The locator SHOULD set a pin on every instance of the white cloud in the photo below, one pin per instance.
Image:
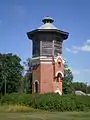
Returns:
(85, 47)
(87, 70)
(72, 51)
(83, 71)
(76, 72)
(88, 41)
(68, 49)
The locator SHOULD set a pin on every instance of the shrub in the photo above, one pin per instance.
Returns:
(50, 101)
(17, 98)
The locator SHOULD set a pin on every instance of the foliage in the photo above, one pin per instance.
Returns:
(25, 84)
(67, 80)
(28, 76)
(50, 101)
(54, 102)
(88, 89)
(17, 99)
(81, 86)
(10, 73)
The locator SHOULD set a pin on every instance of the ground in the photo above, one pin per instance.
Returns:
(43, 115)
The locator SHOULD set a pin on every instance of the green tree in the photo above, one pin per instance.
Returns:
(26, 83)
(88, 89)
(28, 76)
(81, 86)
(10, 73)
(67, 80)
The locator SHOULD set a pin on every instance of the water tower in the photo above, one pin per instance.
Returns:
(47, 61)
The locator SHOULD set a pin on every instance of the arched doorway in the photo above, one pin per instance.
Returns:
(59, 77)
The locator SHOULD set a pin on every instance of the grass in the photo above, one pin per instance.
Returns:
(45, 116)
(26, 113)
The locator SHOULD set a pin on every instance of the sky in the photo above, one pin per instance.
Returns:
(17, 17)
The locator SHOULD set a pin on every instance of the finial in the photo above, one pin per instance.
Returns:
(47, 19)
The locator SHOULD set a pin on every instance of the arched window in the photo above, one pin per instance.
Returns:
(36, 86)
(59, 63)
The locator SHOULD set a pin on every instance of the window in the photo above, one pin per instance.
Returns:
(36, 87)
(59, 63)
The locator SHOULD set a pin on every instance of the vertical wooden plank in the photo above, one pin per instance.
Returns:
(41, 48)
(47, 48)
(53, 47)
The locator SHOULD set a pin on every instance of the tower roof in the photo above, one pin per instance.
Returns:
(47, 27)
(47, 23)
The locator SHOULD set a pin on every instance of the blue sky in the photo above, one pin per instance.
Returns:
(19, 16)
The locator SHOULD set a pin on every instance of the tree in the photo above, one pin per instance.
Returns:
(81, 86)
(10, 73)
(67, 80)
(28, 76)
(88, 89)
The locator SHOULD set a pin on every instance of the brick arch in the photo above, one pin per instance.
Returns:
(60, 73)
(59, 58)
(36, 81)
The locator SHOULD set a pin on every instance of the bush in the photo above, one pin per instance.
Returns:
(17, 99)
(50, 101)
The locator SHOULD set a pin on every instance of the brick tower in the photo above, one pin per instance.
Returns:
(47, 62)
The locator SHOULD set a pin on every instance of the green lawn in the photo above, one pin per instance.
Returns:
(42, 115)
